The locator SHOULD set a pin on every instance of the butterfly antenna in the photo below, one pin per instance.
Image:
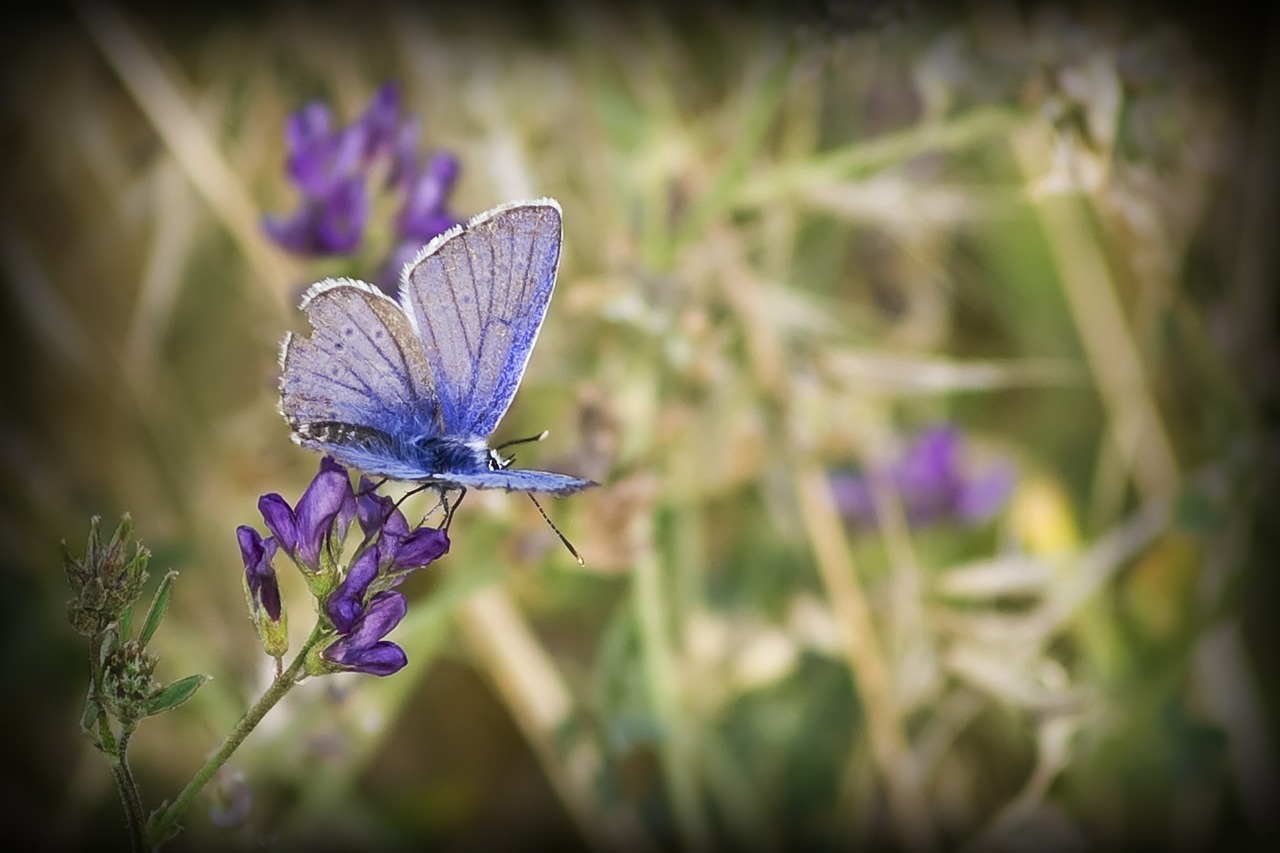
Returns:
(537, 437)
(552, 524)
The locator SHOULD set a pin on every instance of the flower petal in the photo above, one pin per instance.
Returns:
(346, 603)
(381, 659)
(378, 512)
(380, 121)
(324, 511)
(404, 153)
(307, 127)
(422, 546)
(361, 649)
(280, 520)
(423, 213)
(260, 574)
(339, 227)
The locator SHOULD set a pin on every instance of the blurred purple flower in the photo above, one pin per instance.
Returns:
(381, 123)
(423, 214)
(333, 224)
(323, 514)
(931, 481)
(321, 157)
(331, 167)
(404, 152)
(232, 799)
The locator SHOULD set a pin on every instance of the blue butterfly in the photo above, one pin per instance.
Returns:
(412, 390)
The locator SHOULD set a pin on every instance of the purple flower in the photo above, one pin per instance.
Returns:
(359, 600)
(262, 591)
(332, 224)
(390, 553)
(362, 607)
(400, 551)
(377, 512)
(330, 166)
(346, 603)
(412, 552)
(931, 481)
(404, 153)
(259, 574)
(381, 123)
(423, 214)
(320, 157)
(322, 516)
(361, 647)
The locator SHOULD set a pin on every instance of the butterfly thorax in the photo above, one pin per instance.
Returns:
(448, 454)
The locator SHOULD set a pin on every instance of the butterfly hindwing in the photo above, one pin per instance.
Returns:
(477, 296)
(360, 380)
(522, 480)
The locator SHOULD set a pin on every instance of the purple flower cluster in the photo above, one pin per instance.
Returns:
(360, 601)
(332, 165)
(932, 482)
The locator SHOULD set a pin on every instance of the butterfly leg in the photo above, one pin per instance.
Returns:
(374, 487)
(448, 509)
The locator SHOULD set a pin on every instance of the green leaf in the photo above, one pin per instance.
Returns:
(159, 604)
(92, 710)
(122, 533)
(170, 697)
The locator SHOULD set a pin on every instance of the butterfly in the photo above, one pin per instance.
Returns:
(412, 390)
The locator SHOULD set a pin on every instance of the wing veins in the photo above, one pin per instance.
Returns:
(404, 362)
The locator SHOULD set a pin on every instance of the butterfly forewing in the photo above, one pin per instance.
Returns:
(478, 297)
(361, 367)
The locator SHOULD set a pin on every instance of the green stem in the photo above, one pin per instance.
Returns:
(129, 795)
(167, 819)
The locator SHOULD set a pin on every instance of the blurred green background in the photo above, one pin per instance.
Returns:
(793, 240)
